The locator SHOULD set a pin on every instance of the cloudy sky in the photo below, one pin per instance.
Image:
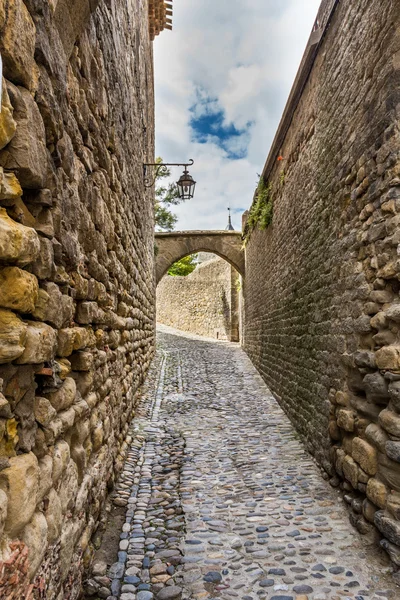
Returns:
(223, 76)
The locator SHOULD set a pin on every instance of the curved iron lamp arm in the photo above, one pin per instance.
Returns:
(161, 167)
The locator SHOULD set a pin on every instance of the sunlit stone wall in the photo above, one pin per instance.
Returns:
(76, 275)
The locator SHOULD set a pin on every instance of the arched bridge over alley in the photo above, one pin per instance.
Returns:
(173, 246)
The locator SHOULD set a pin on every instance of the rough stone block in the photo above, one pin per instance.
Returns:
(64, 397)
(392, 550)
(17, 43)
(345, 419)
(350, 470)
(82, 361)
(60, 307)
(66, 339)
(393, 450)
(7, 124)
(26, 154)
(89, 312)
(388, 527)
(393, 313)
(19, 290)
(40, 344)
(13, 335)
(377, 436)
(377, 492)
(365, 455)
(388, 358)
(18, 244)
(390, 421)
(376, 388)
(45, 477)
(61, 458)
(20, 481)
(53, 514)
(3, 511)
(41, 305)
(43, 266)
(35, 537)
(44, 411)
(10, 189)
(394, 392)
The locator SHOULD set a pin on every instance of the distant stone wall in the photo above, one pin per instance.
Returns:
(204, 302)
(322, 304)
(76, 277)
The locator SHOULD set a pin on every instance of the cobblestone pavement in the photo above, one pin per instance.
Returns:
(222, 500)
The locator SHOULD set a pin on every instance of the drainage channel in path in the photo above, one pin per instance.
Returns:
(222, 500)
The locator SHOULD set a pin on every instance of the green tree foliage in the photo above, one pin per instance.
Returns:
(184, 266)
(166, 195)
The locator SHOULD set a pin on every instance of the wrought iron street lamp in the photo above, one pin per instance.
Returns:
(186, 184)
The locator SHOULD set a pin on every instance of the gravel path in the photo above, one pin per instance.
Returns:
(222, 499)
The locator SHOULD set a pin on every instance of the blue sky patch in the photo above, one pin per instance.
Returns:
(208, 124)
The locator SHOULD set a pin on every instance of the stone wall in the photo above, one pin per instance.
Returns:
(322, 281)
(76, 277)
(204, 302)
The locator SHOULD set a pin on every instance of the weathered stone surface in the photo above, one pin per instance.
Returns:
(17, 43)
(41, 305)
(66, 341)
(18, 244)
(377, 436)
(390, 421)
(393, 450)
(394, 391)
(388, 358)
(350, 470)
(89, 312)
(13, 334)
(45, 477)
(26, 153)
(35, 537)
(376, 388)
(7, 124)
(59, 307)
(10, 188)
(60, 459)
(64, 397)
(365, 455)
(377, 492)
(389, 527)
(3, 511)
(392, 550)
(40, 344)
(19, 289)
(53, 514)
(82, 361)
(20, 482)
(64, 176)
(44, 411)
(393, 313)
(345, 419)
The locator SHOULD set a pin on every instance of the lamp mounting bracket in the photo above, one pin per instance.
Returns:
(161, 168)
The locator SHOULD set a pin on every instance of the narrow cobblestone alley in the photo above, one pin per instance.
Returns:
(222, 500)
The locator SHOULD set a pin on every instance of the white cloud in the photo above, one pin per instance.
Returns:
(244, 57)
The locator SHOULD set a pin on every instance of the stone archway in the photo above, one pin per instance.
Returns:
(173, 246)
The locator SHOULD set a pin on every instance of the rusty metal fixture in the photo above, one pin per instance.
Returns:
(186, 184)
